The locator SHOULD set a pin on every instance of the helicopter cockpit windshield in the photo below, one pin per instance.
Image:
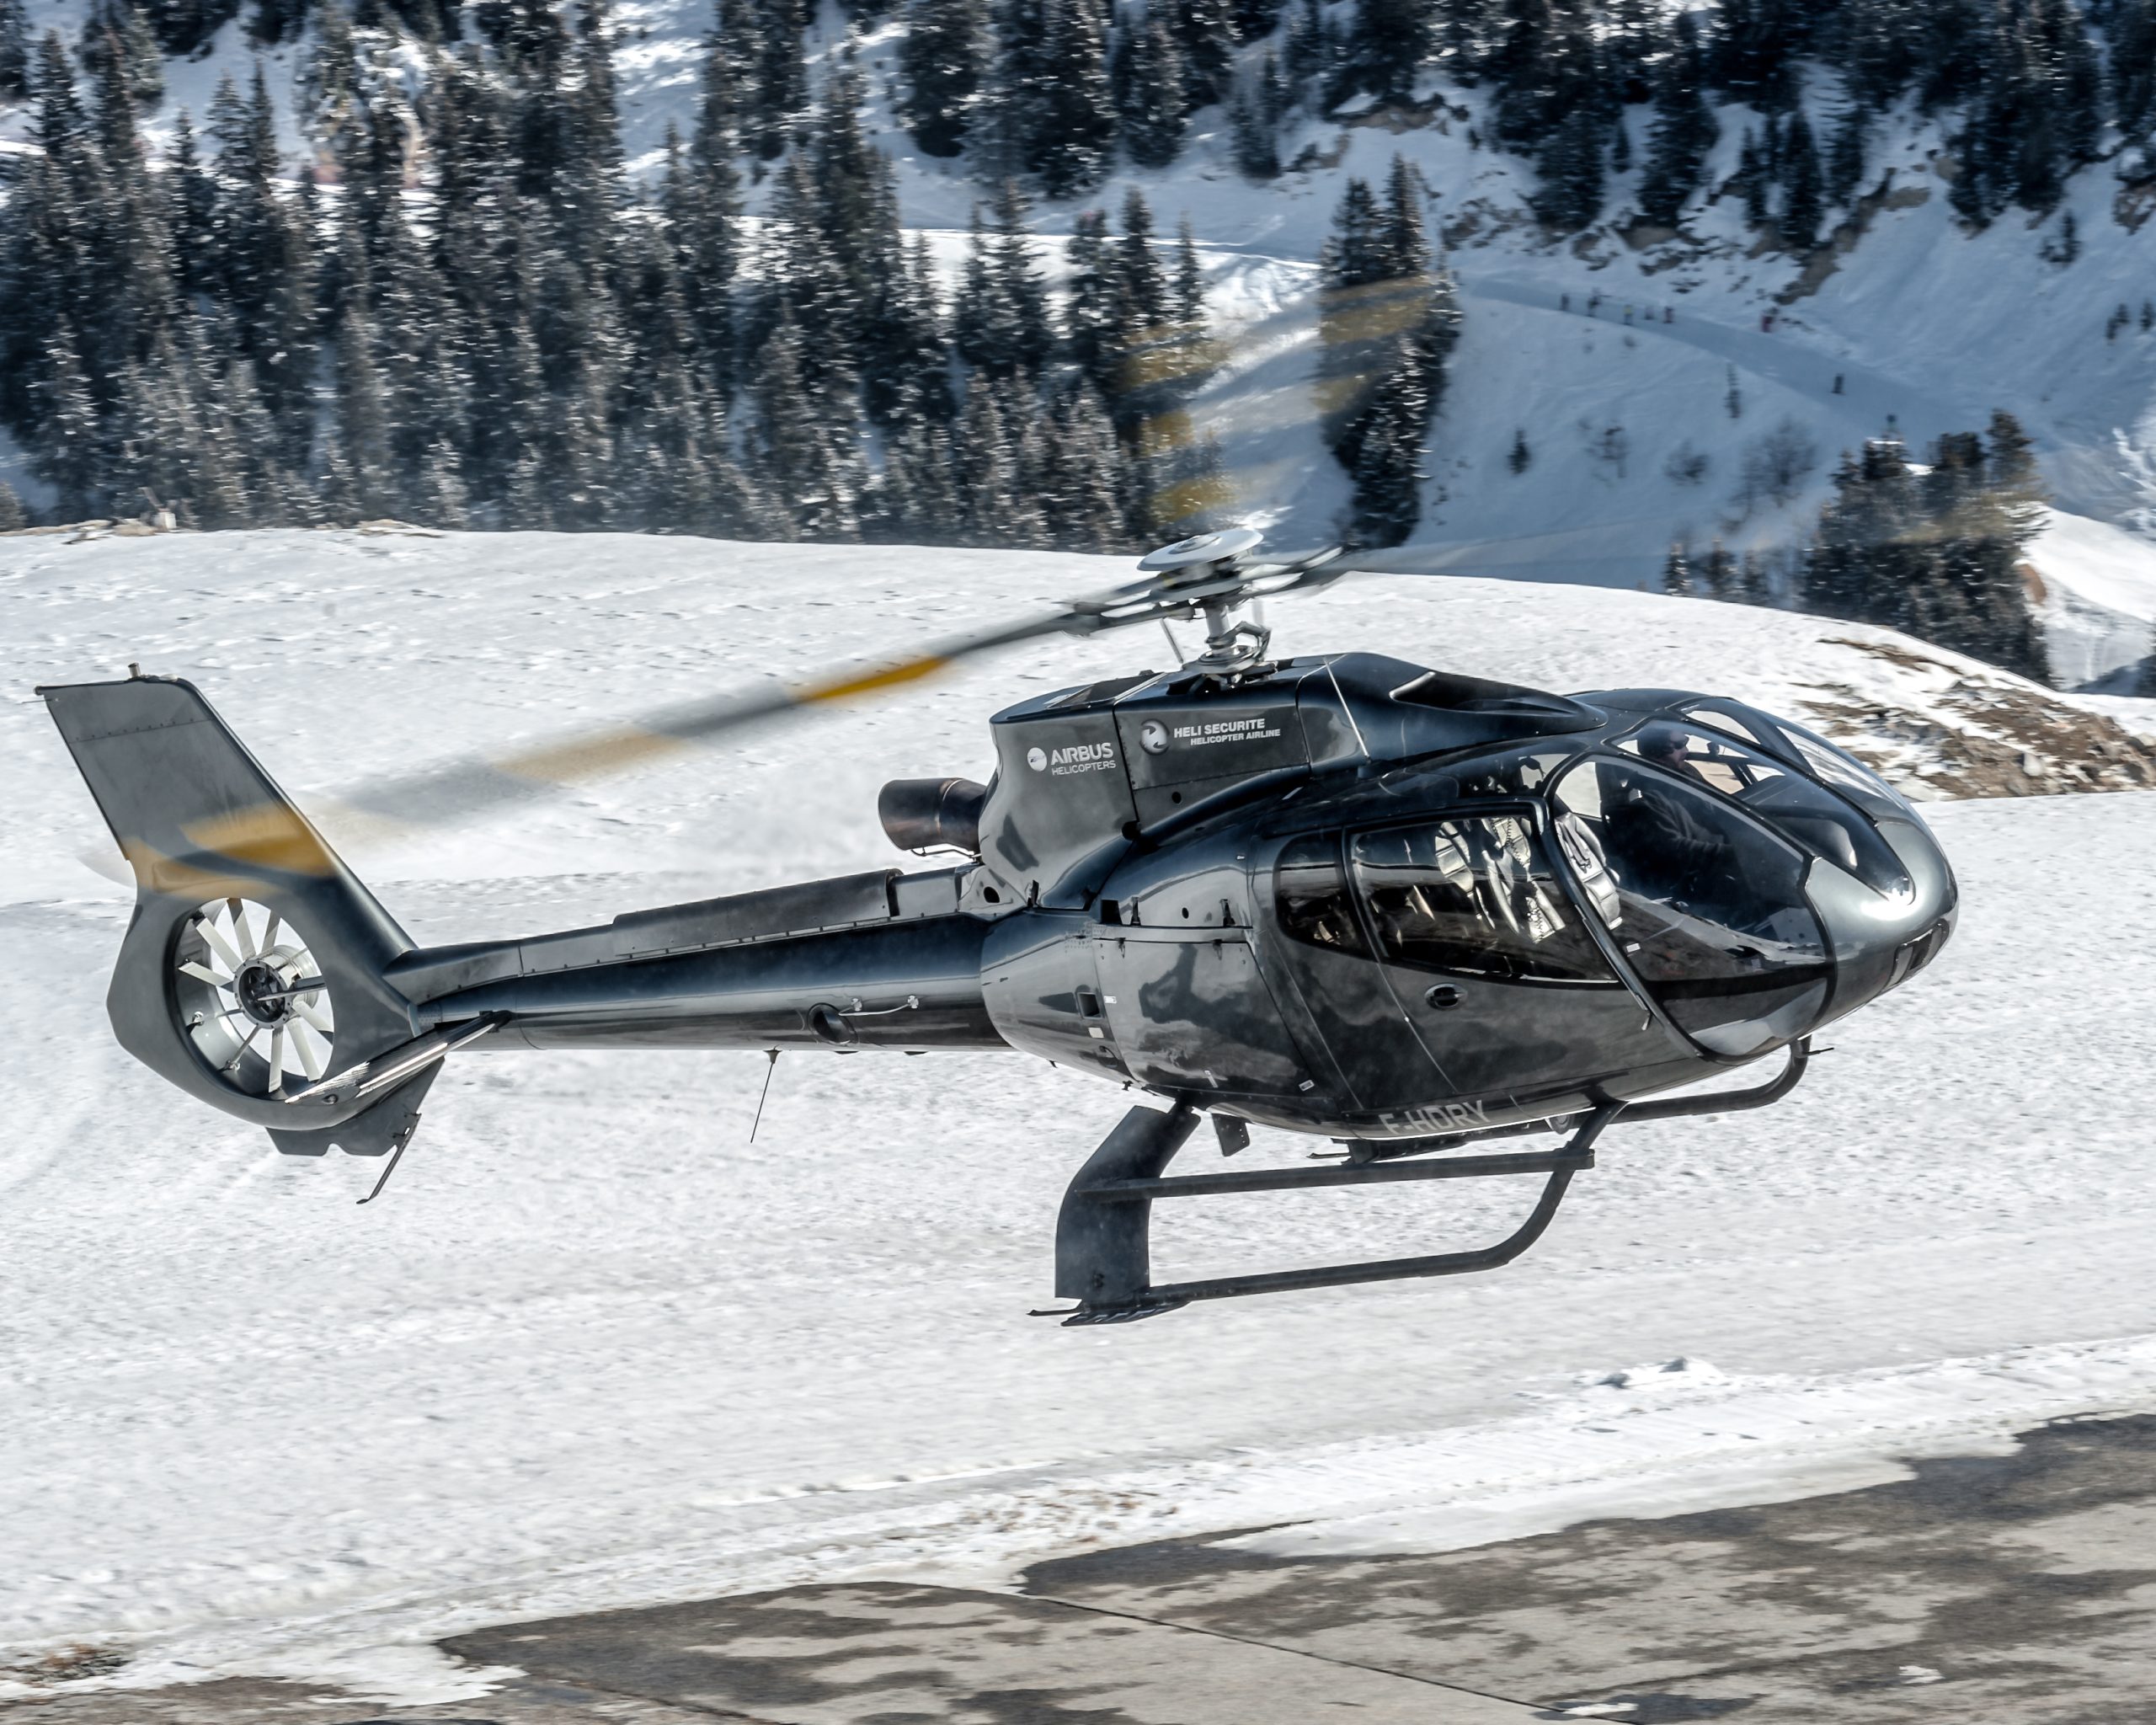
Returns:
(1817, 819)
(1707, 906)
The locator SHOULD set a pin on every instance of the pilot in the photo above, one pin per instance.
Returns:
(1666, 747)
(1680, 856)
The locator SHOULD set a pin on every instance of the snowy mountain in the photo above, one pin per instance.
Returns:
(1616, 388)
(593, 1348)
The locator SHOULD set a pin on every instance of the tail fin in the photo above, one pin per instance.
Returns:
(254, 962)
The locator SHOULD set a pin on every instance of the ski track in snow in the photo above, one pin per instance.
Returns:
(593, 1349)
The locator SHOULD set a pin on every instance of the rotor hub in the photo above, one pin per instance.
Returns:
(262, 987)
(1200, 554)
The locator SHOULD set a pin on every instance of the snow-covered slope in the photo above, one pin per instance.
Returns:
(593, 1347)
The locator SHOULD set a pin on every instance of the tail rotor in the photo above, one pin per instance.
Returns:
(252, 997)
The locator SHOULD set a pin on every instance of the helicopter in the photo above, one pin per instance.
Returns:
(1340, 895)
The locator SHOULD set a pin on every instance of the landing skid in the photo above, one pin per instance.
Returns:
(1104, 1258)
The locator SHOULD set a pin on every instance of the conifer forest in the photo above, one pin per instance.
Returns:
(463, 308)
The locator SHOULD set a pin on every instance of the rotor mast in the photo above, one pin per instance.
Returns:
(1210, 565)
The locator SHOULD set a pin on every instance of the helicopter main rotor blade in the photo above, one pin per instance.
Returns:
(384, 809)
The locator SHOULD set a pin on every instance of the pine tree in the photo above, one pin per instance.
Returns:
(998, 501)
(702, 201)
(1677, 572)
(1878, 45)
(191, 209)
(1189, 281)
(2012, 478)
(1255, 154)
(265, 263)
(67, 453)
(1080, 461)
(1387, 467)
(426, 370)
(363, 420)
(1205, 30)
(1002, 143)
(1802, 200)
(593, 193)
(14, 51)
(1090, 324)
(1387, 44)
(1303, 51)
(1000, 319)
(943, 58)
(849, 199)
(13, 517)
(1270, 91)
(1354, 252)
(1752, 180)
(274, 21)
(1074, 144)
(916, 501)
(2133, 33)
(903, 356)
(61, 121)
(116, 37)
(1388, 325)
(1403, 241)
(1718, 572)
(1682, 133)
(908, 380)
(1845, 154)
(1754, 48)
(1519, 458)
(780, 85)
(1175, 483)
(806, 283)
(1569, 195)
(1148, 82)
(2035, 117)
(1141, 289)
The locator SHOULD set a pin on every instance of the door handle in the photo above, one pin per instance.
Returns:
(1443, 998)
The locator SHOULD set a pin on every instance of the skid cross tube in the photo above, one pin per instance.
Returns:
(1457, 1167)
(1102, 1258)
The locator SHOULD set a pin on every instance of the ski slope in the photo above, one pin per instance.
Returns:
(593, 1347)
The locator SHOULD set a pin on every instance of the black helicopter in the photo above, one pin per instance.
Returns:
(1339, 895)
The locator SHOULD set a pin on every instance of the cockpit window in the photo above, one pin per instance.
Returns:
(1817, 819)
(1723, 721)
(1842, 771)
(1311, 889)
(1474, 897)
(1708, 907)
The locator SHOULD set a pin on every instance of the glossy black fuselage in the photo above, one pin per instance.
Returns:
(1343, 895)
